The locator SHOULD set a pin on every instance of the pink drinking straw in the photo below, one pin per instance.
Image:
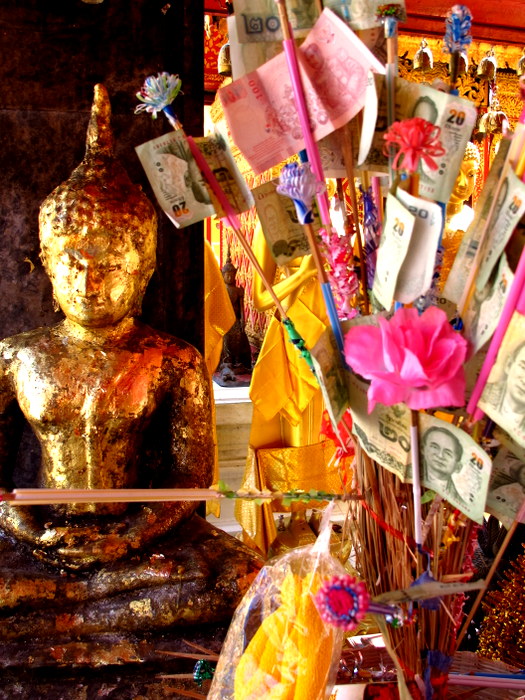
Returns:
(515, 302)
(313, 157)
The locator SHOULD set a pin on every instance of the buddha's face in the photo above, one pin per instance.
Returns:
(465, 181)
(97, 281)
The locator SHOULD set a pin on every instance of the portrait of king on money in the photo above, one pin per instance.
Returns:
(442, 458)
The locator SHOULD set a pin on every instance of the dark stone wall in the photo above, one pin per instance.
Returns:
(52, 52)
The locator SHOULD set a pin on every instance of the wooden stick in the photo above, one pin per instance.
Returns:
(348, 157)
(25, 497)
(198, 647)
(37, 497)
(186, 655)
(416, 481)
(316, 255)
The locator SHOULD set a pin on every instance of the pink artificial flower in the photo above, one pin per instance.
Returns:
(414, 359)
(416, 139)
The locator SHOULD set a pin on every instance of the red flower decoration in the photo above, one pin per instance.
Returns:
(342, 601)
(415, 139)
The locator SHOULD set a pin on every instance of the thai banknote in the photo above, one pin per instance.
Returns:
(218, 155)
(258, 20)
(510, 207)
(393, 247)
(362, 14)
(503, 398)
(284, 234)
(481, 317)
(334, 157)
(384, 434)
(507, 485)
(260, 107)
(454, 465)
(331, 375)
(249, 56)
(468, 248)
(175, 179)
(454, 116)
(415, 275)
(451, 463)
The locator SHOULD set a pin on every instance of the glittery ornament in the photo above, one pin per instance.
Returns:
(503, 631)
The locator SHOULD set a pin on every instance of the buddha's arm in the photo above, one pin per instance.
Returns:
(261, 297)
(15, 520)
(192, 450)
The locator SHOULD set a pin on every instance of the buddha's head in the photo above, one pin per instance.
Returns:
(98, 233)
(229, 271)
(466, 179)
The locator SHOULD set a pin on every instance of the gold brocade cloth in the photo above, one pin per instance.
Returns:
(284, 469)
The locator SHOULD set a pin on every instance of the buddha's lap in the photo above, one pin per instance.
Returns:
(195, 574)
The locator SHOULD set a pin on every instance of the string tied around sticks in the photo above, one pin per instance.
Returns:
(416, 139)
(441, 663)
(157, 93)
(299, 343)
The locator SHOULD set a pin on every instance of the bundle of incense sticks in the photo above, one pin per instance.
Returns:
(388, 560)
(30, 497)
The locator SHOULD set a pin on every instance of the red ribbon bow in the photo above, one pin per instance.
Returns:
(415, 139)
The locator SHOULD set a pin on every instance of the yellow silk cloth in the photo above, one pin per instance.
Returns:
(283, 469)
(287, 413)
(282, 383)
(219, 317)
(290, 655)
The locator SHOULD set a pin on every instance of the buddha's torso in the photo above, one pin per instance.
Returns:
(88, 404)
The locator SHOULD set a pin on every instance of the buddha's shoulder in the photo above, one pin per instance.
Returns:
(170, 347)
(26, 341)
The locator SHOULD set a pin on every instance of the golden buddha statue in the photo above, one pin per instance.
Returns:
(114, 404)
(459, 215)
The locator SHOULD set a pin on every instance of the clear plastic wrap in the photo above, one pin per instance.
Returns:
(277, 646)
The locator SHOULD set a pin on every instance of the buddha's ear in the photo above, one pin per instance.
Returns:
(43, 258)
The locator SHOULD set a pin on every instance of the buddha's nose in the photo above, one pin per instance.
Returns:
(89, 281)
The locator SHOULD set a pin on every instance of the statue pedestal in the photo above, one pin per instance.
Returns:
(136, 664)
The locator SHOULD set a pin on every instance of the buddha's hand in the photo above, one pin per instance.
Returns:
(102, 550)
(80, 548)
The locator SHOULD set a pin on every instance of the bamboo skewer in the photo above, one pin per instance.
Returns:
(34, 497)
